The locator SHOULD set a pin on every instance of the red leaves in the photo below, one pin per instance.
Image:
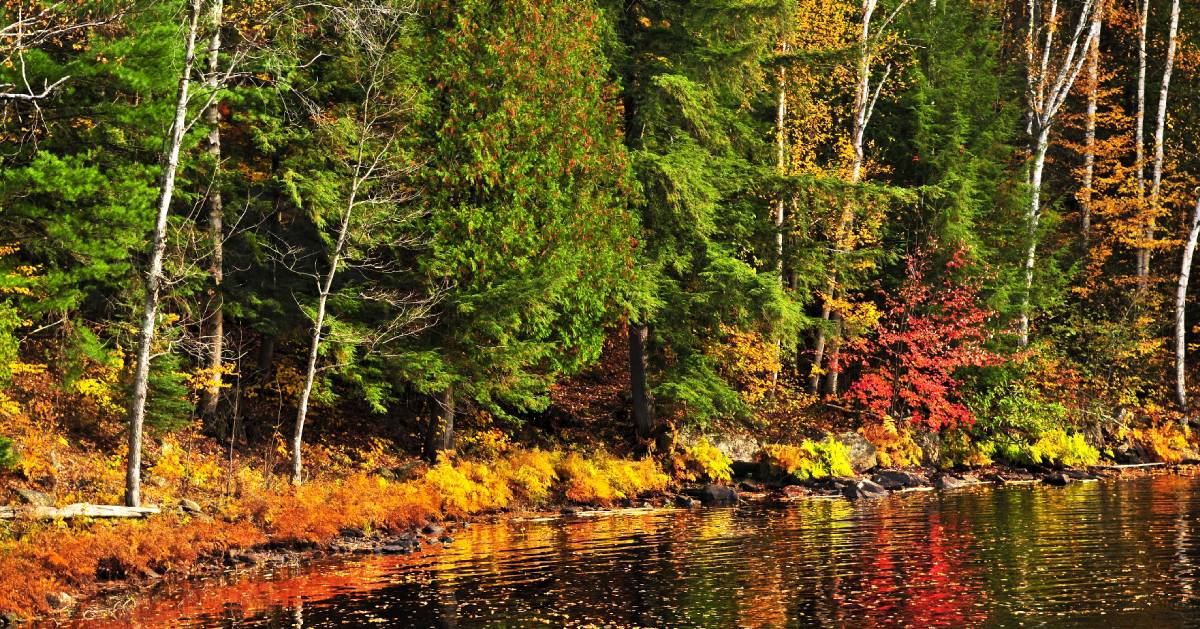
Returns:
(927, 334)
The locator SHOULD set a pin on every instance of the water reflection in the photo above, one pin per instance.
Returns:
(1121, 554)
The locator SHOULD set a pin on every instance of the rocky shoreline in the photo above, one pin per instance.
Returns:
(874, 485)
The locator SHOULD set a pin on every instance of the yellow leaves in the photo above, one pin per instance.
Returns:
(857, 317)
(748, 361)
(644, 21)
(894, 446)
(703, 461)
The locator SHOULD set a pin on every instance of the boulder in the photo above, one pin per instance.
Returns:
(861, 451)
(864, 490)
(59, 600)
(719, 496)
(896, 480)
(395, 549)
(947, 481)
(446, 539)
(685, 501)
(432, 530)
(794, 491)
(1058, 479)
(34, 497)
(569, 510)
(190, 506)
(931, 446)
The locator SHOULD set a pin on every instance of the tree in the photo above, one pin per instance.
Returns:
(523, 188)
(1185, 271)
(1051, 67)
(154, 274)
(214, 321)
(926, 335)
(865, 99)
(369, 193)
(690, 76)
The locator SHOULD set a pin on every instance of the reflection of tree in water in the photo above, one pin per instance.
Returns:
(1118, 553)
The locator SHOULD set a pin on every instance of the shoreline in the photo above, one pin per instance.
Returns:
(110, 600)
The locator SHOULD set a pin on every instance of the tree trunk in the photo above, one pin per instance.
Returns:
(814, 378)
(643, 406)
(440, 436)
(781, 167)
(166, 191)
(1143, 254)
(1089, 163)
(1160, 129)
(1185, 271)
(215, 317)
(325, 287)
(1033, 217)
(862, 116)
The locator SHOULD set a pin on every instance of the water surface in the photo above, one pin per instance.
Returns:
(1116, 554)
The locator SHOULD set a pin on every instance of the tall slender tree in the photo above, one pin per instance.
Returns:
(154, 273)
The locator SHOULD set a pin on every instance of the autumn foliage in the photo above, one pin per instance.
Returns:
(926, 335)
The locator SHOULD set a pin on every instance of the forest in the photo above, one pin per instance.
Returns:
(306, 267)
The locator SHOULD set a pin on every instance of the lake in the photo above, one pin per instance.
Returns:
(1115, 553)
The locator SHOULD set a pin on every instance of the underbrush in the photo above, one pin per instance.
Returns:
(808, 460)
(37, 558)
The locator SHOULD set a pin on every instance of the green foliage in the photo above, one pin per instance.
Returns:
(8, 457)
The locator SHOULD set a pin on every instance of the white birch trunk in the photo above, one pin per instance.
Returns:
(170, 165)
(1185, 271)
(1139, 139)
(314, 349)
(1089, 159)
(1160, 130)
(1033, 218)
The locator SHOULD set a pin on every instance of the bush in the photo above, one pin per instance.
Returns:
(1165, 442)
(894, 447)
(703, 461)
(8, 457)
(809, 460)
(603, 479)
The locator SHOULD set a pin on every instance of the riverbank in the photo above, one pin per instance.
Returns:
(111, 592)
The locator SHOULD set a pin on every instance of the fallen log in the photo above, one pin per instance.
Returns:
(77, 510)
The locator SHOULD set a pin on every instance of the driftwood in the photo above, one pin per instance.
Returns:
(77, 510)
(1126, 466)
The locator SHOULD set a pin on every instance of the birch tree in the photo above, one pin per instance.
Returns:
(865, 96)
(154, 274)
(372, 173)
(1052, 64)
(214, 322)
(1139, 140)
(1160, 131)
(1089, 141)
(1185, 271)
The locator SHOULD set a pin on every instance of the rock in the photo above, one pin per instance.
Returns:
(686, 502)
(446, 539)
(432, 530)
(35, 498)
(1057, 479)
(861, 451)
(570, 511)
(719, 496)
(794, 491)
(899, 479)
(190, 506)
(864, 490)
(946, 481)
(395, 549)
(749, 487)
(931, 446)
(59, 600)
(739, 447)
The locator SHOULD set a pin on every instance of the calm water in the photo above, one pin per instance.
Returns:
(1116, 554)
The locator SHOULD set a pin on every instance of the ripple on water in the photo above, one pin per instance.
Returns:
(1118, 554)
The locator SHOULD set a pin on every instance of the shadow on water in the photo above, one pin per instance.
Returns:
(1118, 554)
